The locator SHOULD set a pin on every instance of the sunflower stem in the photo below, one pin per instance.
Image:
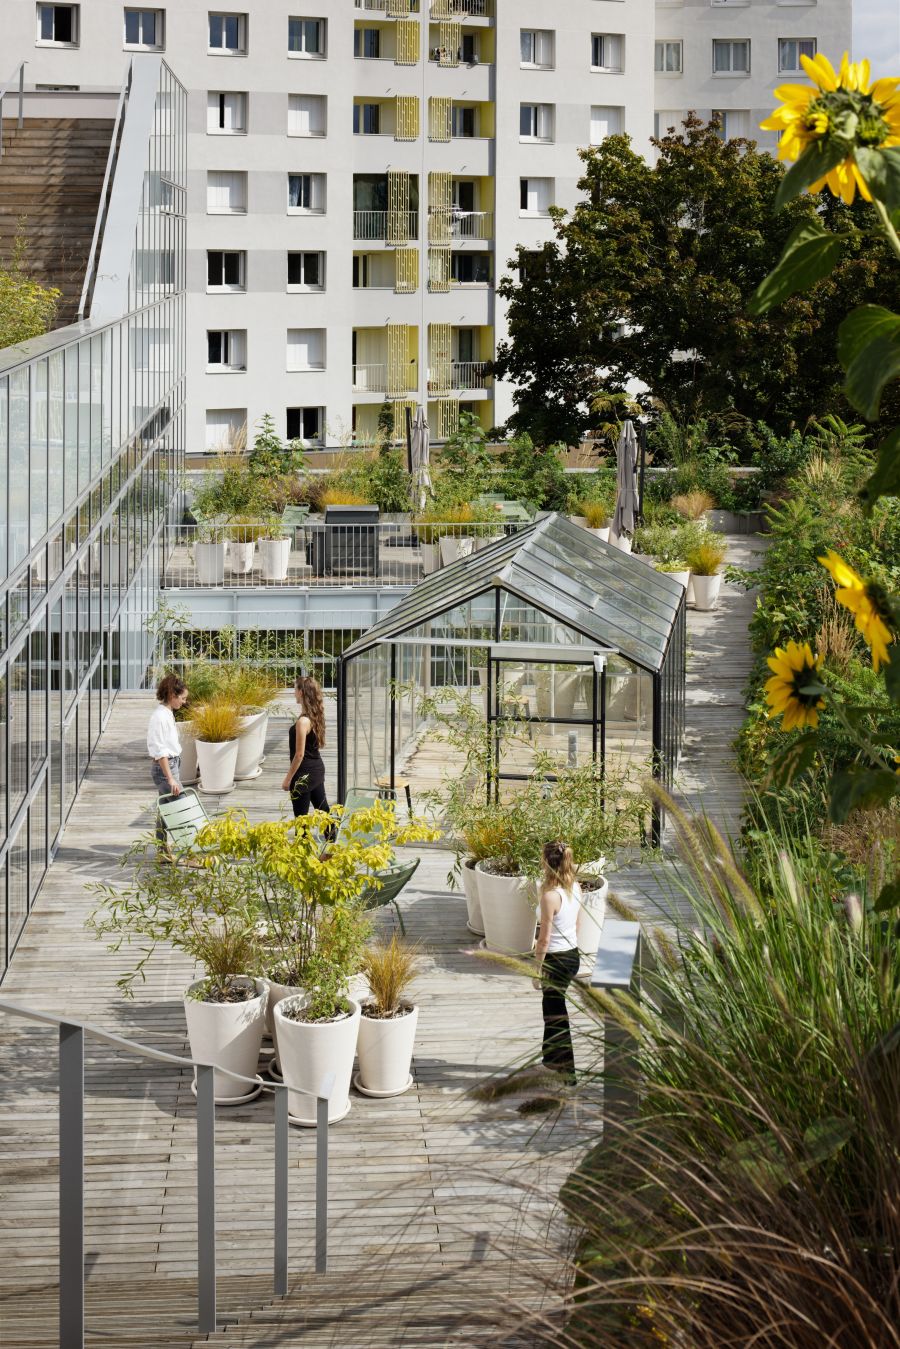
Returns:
(887, 225)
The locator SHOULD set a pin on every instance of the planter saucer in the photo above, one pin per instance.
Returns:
(522, 955)
(311, 1123)
(381, 1095)
(214, 791)
(476, 931)
(274, 1071)
(248, 777)
(234, 1100)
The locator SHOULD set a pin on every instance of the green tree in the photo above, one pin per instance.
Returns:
(651, 276)
(270, 457)
(27, 309)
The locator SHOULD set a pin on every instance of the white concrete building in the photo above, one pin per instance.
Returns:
(361, 171)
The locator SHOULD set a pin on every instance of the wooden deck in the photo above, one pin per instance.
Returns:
(443, 1228)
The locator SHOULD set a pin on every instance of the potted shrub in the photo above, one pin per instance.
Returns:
(225, 1019)
(706, 560)
(677, 568)
(441, 532)
(387, 1028)
(243, 533)
(274, 551)
(251, 689)
(596, 519)
(506, 880)
(209, 555)
(216, 725)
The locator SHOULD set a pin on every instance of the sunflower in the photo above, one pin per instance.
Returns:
(844, 105)
(794, 668)
(865, 602)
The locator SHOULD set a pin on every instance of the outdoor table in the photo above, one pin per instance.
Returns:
(294, 518)
(508, 513)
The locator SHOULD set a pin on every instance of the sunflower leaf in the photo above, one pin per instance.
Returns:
(810, 254)
(889, 898)
(885, 481)
(861, 787)
(881, 170)
(794, 759)
(813, 690)
(869, 351)
(817, 160)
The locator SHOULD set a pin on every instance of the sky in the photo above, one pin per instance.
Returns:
(876, 34)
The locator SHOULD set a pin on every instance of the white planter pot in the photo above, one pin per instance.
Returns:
(274, 556)
(309, 1051)
(602, 534)
(453, 548)
(620, 541)
(240, 557)
(580, 520)
(682, 577)
(689, 597)
(590, 925)
(508, 910)
(706, 591)
(227, 1035)
(385, 1049)
(216, 760)
(209, 561)
(430, 558)
(251, 745)
(189, 770)
(565, 685)
(485, 540)
(473, 903)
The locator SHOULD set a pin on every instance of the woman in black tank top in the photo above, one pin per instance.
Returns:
(305, 779)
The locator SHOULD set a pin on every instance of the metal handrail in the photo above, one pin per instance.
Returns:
(103, 208)
(20, 71)
(71, 1169)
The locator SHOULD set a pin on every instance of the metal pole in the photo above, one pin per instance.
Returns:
(321, 1184)
(393, 716)
(71, 1186)
(281, 1192)
(206, 1198)
(409, 463)
(21, 94)
(642, 444)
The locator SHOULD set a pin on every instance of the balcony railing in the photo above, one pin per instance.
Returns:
(469, 374)
(376, 379)
(462, 9)
(324, 555)
(382, 5)
(455, 224)
(386, 225)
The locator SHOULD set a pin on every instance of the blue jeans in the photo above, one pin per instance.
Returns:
(161, 783)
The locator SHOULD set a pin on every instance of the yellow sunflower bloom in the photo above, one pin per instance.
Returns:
(862, 599)
(793, 667)
(836, 100)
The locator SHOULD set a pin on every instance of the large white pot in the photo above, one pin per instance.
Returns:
(240, 557)
(274, 556)
(682, 577)
(620, 541)
(216, 760)
(485, 540)
(430, 557)
(209, 561)
(508, 910)
(601, 533)
(227, 1035)
(706, 590)
(251, 745)
(556, 692)
(309, 1051)
(473, 903)
(189, 770)
(590, 925)
(385, 1049)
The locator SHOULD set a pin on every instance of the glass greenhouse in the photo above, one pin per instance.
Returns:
(581, 643)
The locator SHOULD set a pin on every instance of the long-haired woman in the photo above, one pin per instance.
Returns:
(557, 954)
(305, 779)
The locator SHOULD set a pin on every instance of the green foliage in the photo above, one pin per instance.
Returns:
(271, 457)
(27, 309)
(536, 475)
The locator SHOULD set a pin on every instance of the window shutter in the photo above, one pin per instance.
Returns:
(440, 188)
(447, 417)
(439, 359)
(450, 41)
(439, 119)
(407, 118)
(439, 260)
(398, 230)
(398, 358)
(543, 53)
(407, 42)
(406, 271)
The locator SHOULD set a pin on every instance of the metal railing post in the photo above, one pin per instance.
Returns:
(71, 1186)
(21, 95)
(206, 1198)
(282, 1130)
(322, 1177)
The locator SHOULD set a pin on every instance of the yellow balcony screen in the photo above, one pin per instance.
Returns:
(407, 42)
(447, 417)
(407, 118)
(440, 190)
(450, 39)
(395, 9)
(398, 371)
(439, 346)
(439, 117)
(439, 270)
(398, 207)
(406, 271)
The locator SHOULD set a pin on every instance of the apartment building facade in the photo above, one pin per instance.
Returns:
(360, 172)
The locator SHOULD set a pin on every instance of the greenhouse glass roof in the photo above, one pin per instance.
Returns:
(571, 575)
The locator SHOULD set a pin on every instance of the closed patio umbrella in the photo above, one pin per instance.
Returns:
(626, 486)
(420, 447)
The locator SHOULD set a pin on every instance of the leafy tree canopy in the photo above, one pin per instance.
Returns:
(27, 309)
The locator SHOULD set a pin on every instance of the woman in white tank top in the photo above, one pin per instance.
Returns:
(557, 954)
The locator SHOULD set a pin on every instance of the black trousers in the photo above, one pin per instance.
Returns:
(557, 972)
(308, 789)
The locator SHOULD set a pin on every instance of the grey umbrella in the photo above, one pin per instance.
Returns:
(420, 446)
(626, 481)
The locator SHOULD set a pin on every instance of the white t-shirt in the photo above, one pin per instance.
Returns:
(162, 734)
(564, 932)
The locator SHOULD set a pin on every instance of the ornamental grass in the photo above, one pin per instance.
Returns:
(706, 557)
(596, 513)
(216, 721)
(390, 968)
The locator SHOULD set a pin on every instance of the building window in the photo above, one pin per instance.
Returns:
(730, 57)
(306, 114)
(57, 25)
(306, 37)
(226, 349)
(367, 44)
(226, 114)
(306, 271)
(462, 121)
(790, 49)
(226, 270)
(471, 269)
(733, 122)
(366, 119)
(228, 34)
(306, 192)
(225, 428)
(536, 45)
(306, 349)
(305, 423)
(144, 28)
(536, 122)
(608, 52)
(606, 121)
(226, 192)
(666, 122)
(535, 195)
(667, 58)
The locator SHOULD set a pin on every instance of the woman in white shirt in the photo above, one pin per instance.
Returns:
(163, 743)
(557, 954)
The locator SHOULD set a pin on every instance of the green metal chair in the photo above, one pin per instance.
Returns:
(396, 874)
(182, 817)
